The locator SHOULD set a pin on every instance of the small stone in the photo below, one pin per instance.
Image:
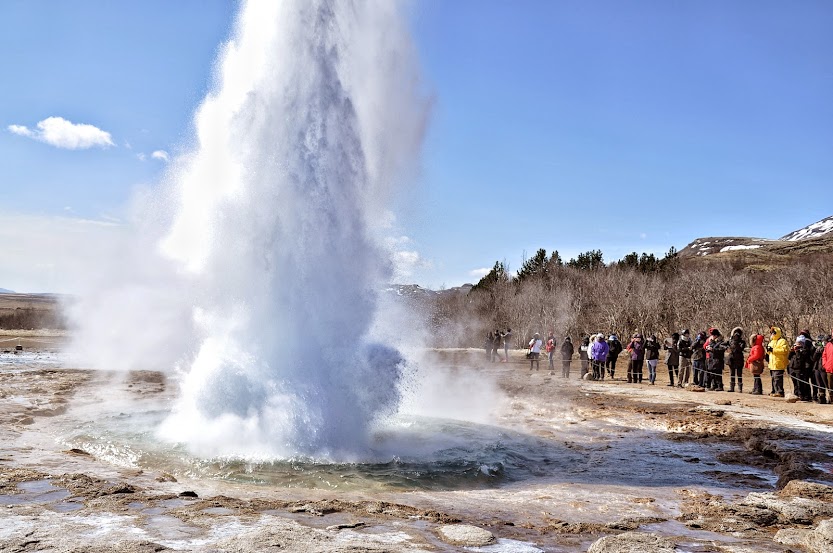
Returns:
(633, 542)
(188, 493)
(820, 540)
(346, 526)
(791, 536)
(723, 402)
(465, 535)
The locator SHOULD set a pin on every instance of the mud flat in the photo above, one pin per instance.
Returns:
(599, 466)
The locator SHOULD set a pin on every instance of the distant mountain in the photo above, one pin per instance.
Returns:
(4, 291)
(712, 245)
(817, 229)
(417, 292)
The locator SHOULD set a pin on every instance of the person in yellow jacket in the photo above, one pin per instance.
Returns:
(778, 351)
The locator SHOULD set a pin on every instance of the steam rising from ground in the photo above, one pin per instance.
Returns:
(258, 273)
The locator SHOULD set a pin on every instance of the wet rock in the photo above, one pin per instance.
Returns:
(791, 510)
(165, 477)
(120, 488)
(76, 451)
(633, 523)
(633, 542)
(820, 540)
(465, 535)
(792, 536)
(346, 526)
(563, 527)
(188, 493)
(807, 490)
(307, 508)
(709, 512)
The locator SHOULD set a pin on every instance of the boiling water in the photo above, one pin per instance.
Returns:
(260, 289)
(408, 453)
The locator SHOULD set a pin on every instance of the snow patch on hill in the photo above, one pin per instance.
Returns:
(740, 247)
(819, 228)
(708, 246)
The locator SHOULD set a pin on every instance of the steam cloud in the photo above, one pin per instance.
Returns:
(255, 269)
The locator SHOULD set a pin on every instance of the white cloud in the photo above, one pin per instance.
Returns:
(161, 155)
(479, 273)
(58, 132)
(20, 130)
(141, 157)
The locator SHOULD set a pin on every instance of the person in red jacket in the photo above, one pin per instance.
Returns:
(755, 362)
(827, 363)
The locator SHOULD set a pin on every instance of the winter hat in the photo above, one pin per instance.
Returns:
(806, 334)
(685, 332)
(675, 336)
(800, 339)
(567, 339)
(714, 332)
(612, 337)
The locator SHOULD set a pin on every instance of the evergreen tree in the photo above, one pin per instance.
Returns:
(535, 266)
(588, 261)
(493, 277)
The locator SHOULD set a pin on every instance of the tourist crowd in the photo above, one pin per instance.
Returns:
(698, 361)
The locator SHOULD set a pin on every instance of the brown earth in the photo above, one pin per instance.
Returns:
(762, 433)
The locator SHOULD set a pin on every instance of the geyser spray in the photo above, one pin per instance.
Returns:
(272, 246)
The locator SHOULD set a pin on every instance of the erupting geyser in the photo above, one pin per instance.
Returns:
(275, 233)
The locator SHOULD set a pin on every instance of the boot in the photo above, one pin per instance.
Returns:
(740, 387)
(732, 385)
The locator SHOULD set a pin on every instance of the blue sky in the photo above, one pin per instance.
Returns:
(624, 126)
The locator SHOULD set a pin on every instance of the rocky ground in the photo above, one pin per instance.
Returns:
(628, 468)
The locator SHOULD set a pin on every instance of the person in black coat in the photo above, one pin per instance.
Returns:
(717, 359)
(800, 367)
(684, 349)
(820, 375)
(615, 348)
(566, 357)
(735, 349)
(672, 357)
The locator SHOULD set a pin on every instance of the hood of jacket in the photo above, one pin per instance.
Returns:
(759, 340)
(777, 333)
(736, 330)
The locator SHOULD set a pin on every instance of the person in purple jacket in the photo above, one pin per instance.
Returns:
(598, 354)
(636, 349)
